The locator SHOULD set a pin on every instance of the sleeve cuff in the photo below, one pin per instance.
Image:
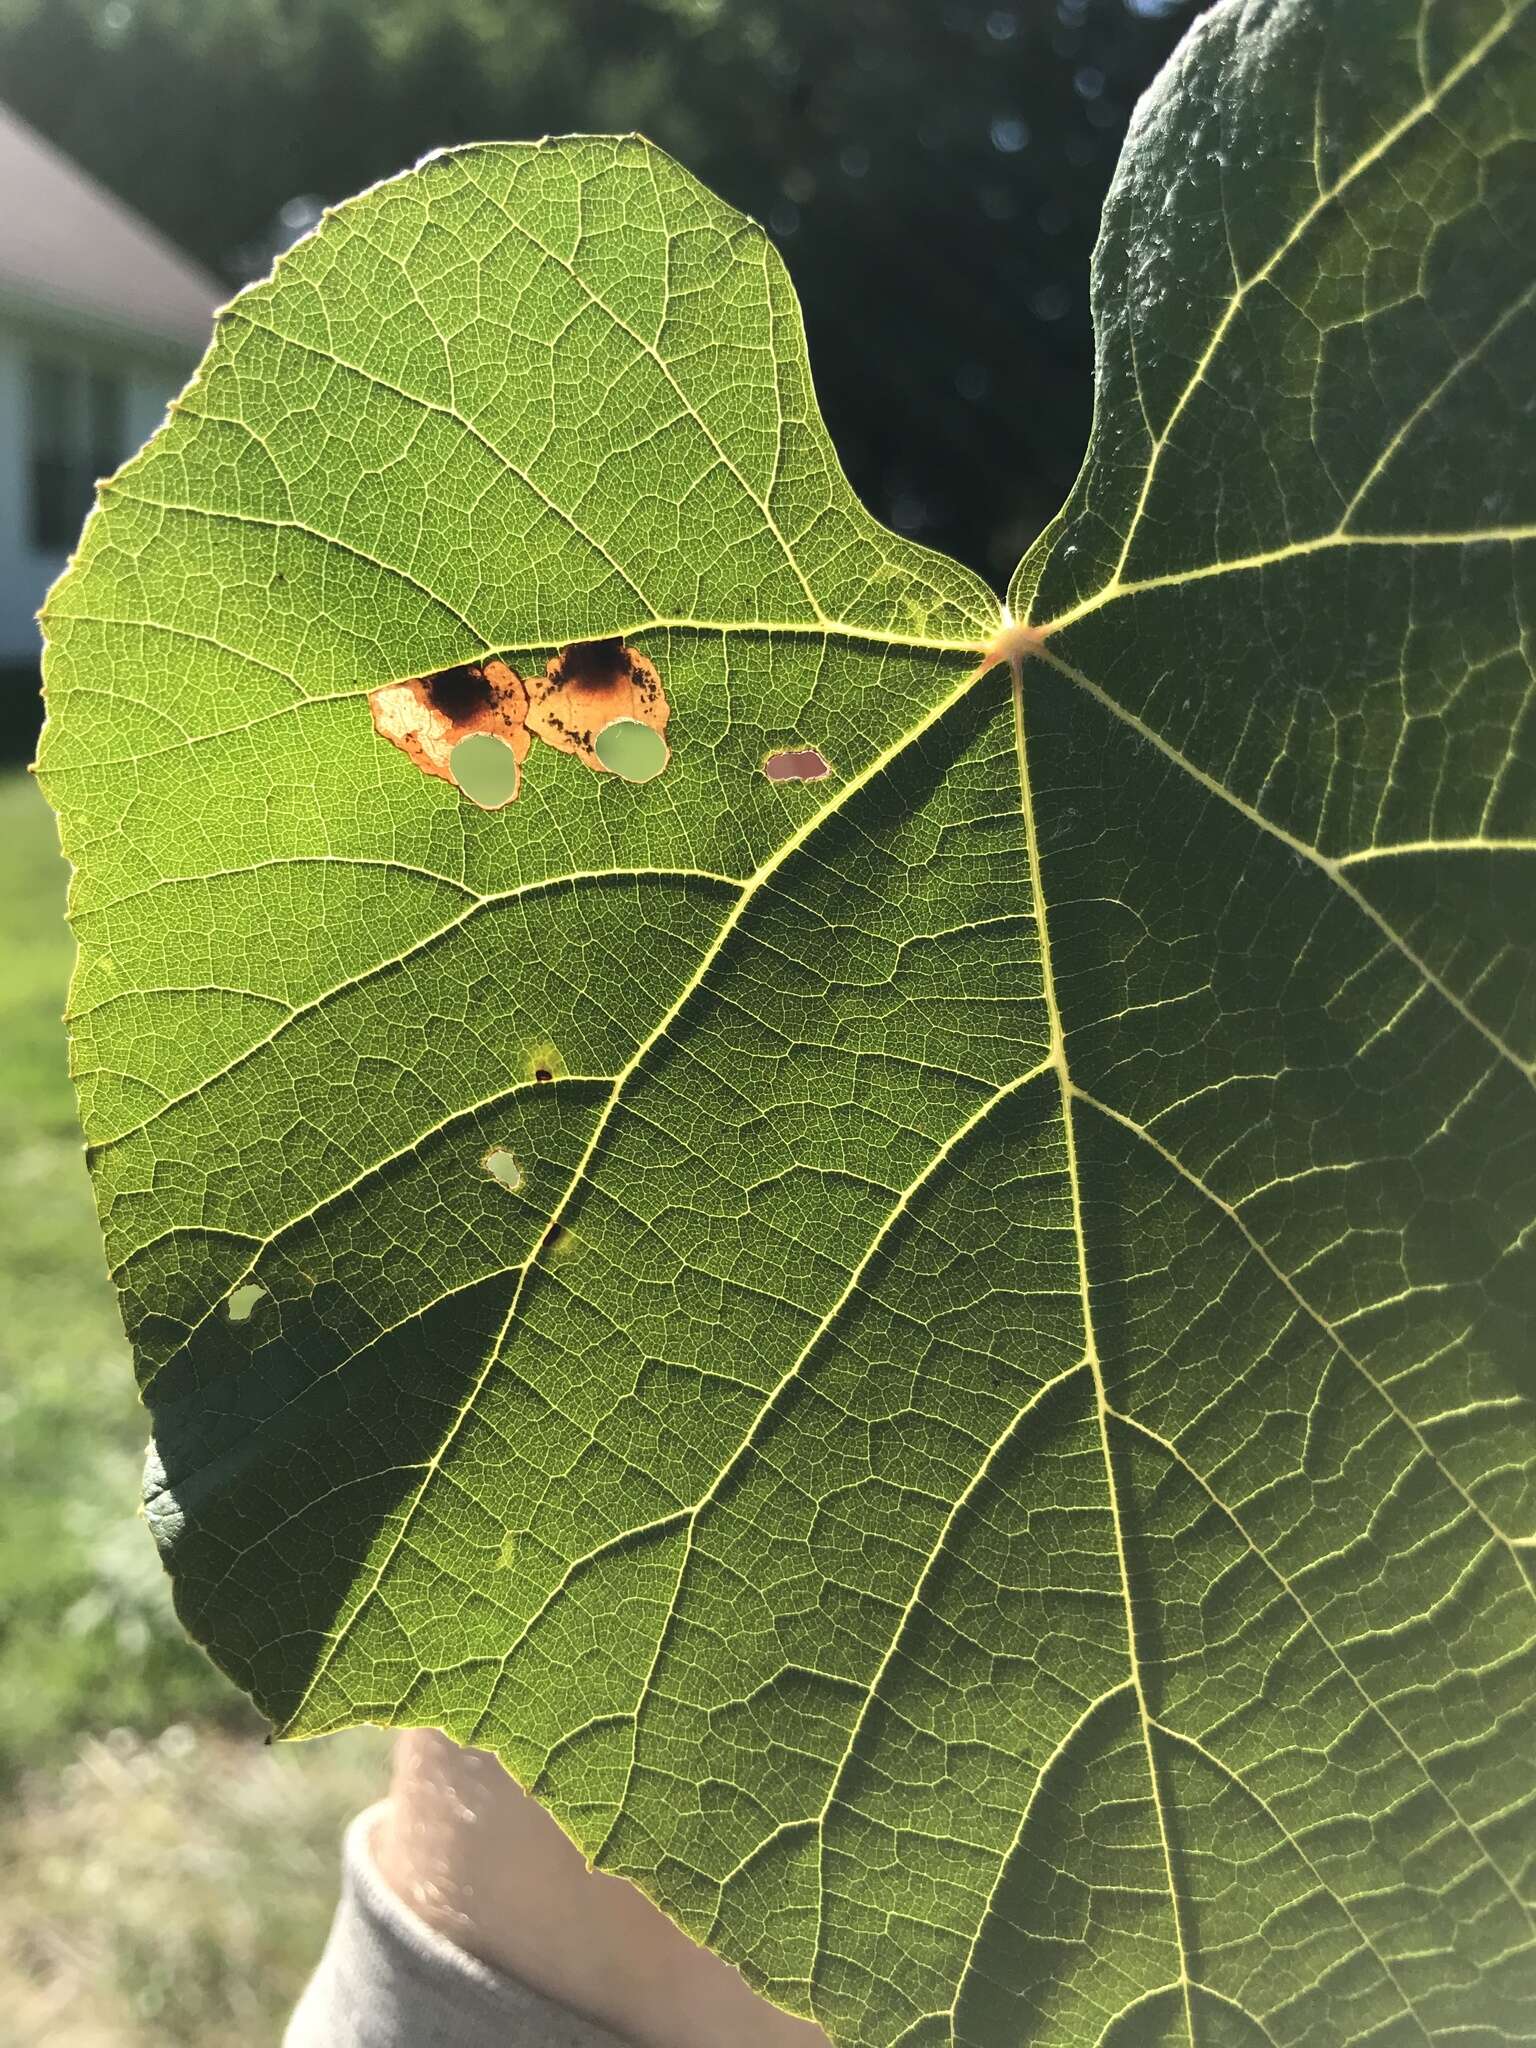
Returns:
(387, 1980)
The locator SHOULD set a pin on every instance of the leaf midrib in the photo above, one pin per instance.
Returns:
(1059, 1061)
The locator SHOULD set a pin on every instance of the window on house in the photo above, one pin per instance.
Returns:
(75, 435)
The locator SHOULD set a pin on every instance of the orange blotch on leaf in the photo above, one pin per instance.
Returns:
(588, 685)
(427, 716)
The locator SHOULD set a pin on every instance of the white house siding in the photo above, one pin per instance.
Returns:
(150, 376)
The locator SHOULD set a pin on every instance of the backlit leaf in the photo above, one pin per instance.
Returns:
(932, 1344)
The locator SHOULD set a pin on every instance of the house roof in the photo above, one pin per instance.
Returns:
(67, 246)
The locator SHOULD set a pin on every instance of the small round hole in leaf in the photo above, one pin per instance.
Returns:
(244, 1299)
(501, 1165)
(485, 768)
(631, 750)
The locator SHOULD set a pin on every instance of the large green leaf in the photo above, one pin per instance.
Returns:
(972, 1433)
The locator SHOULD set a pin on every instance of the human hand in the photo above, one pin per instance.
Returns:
(487, 1868)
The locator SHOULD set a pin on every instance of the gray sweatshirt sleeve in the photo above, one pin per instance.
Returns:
(387, 1980)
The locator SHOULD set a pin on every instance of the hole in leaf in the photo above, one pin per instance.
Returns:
(244, 1299)
(486, 769)
(590, 687)
(502, 1165)
(797, 764)
(542, 1074)
(631, 750)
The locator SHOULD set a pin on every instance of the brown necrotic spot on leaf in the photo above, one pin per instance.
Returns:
(429, 716)
(544, 1061)
(590, 686)
(559, 1245)
(593, 664)
(797, 764)
(461, 693)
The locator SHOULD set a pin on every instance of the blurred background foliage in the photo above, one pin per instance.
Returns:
(933, 171)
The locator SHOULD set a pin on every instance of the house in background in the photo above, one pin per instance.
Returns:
(101, 322)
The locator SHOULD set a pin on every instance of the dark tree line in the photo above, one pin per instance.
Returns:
(933, 170)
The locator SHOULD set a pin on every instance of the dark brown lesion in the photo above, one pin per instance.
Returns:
(585, 687)
(427, 716)
(462, 693)
(594, 664)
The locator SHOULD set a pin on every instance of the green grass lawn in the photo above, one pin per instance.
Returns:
(164, 1877)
